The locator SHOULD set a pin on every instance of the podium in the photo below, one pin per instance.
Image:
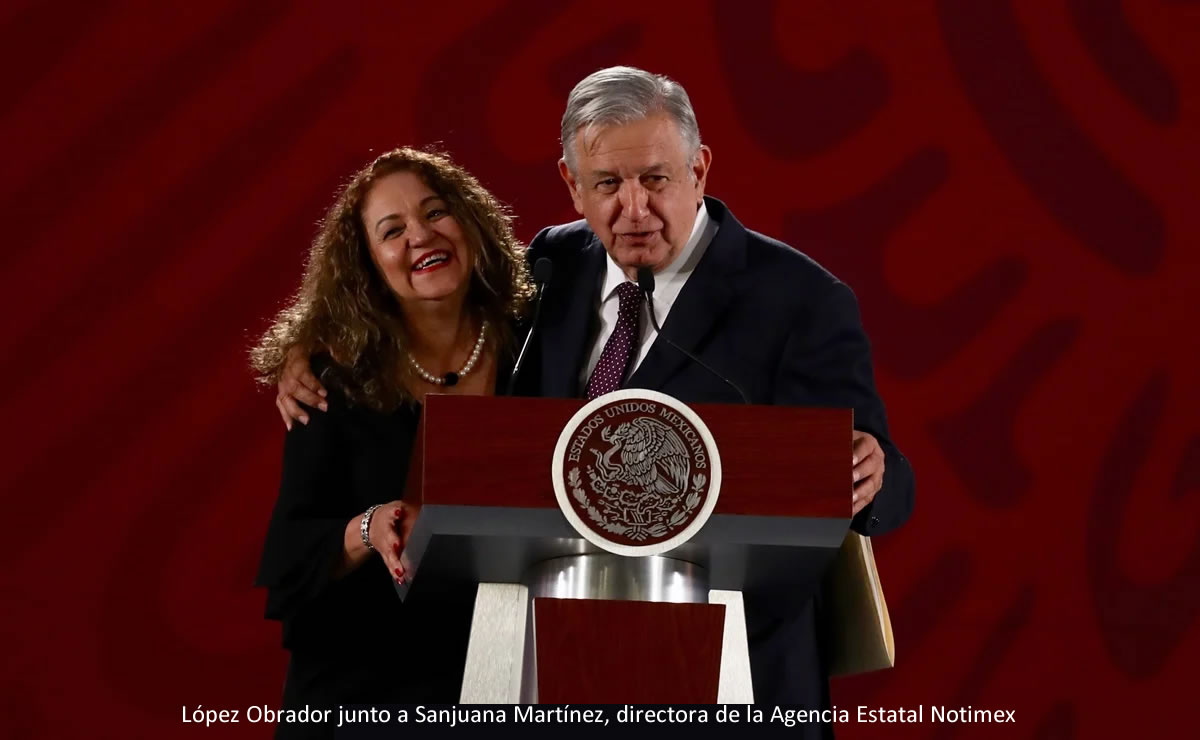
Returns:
(558, 620)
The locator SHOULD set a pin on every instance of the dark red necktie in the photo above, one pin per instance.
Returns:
(619, 351)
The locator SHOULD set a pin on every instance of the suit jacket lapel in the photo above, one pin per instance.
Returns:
(703, 300)
(569, 321)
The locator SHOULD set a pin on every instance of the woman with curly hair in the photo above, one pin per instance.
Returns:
(412, 286)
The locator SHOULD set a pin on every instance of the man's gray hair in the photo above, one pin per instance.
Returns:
(621, 95)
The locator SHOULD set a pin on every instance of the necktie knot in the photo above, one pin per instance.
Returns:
(629, 297)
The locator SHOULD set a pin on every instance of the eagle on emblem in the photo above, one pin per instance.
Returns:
(653, 457)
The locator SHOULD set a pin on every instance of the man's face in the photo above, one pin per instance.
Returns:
(638, 189)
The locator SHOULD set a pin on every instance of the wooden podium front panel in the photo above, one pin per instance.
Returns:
(627, 652)
(497, 451)
(491, 450)
(783, 461)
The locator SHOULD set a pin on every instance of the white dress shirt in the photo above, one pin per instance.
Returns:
(667, 284)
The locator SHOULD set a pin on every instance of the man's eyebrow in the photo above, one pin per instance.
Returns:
(656, 167)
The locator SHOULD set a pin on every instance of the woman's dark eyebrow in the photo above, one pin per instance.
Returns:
(424, 200)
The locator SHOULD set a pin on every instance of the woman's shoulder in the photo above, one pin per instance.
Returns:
(348, 409)
(321, 363)
(335, 379)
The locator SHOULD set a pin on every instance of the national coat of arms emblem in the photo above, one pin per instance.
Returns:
(636, 472)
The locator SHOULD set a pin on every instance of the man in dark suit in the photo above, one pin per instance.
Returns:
(760, 313)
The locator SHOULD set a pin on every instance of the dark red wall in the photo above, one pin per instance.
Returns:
(1010, 187)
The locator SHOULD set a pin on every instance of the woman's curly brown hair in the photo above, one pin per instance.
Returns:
(345, 307)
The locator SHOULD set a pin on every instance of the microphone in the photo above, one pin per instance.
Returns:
(543, 270)
(645, 278)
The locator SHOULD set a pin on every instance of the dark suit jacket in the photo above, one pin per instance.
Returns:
(771, 320)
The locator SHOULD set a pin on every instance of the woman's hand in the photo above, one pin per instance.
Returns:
(390, 527)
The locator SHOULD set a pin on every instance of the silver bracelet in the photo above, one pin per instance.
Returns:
(364, 526)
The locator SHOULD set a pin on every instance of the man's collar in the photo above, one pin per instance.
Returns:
(614, 275)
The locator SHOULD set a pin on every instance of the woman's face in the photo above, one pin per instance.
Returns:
(419, 248)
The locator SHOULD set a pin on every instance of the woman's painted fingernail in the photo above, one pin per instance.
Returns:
(399, 572)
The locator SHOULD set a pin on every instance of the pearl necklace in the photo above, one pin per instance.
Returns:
(450, 379)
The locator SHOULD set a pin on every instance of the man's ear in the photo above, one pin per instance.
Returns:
(572, 185)
(700, 165)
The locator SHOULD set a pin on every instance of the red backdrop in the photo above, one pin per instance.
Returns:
(1010, 188)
